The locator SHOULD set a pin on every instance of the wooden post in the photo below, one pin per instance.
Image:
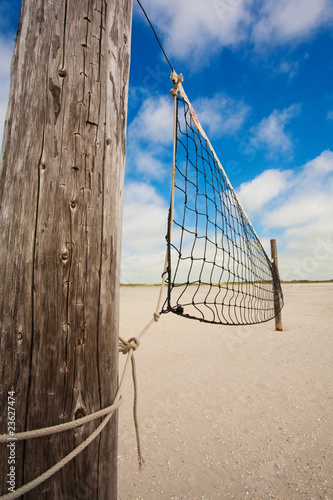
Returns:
(278, 317)
(61, 192)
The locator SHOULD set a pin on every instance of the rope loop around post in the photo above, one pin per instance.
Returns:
(156, 316)
(177, 80)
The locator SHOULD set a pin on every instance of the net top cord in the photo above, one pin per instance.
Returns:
(217, 269)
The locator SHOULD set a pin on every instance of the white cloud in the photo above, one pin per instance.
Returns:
(149, 138)
(154, 121)
(264, 188)
(144, 230)
(271, 134)
(330, 115)
(288, 20)
(197, 29)
(309, 195)
(194, 30)
(307, 252)
(297, 237)
(149, 165)
(296, 205)
(299, 209)
(221, 114)
(323, 164)
(142, 268)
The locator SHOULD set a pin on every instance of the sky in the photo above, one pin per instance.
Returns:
(259, 75)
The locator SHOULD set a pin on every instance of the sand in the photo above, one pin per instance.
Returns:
(230, 412)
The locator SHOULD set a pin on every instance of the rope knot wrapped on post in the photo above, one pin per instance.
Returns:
(131, 344)
(177, 80)
(127, 347)
(156, 316)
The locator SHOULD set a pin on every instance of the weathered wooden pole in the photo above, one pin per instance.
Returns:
(61, 193)
(278, 317)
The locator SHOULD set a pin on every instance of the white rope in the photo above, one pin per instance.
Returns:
(46, 475)
(47, 431)
(130, 346)
(62, 427)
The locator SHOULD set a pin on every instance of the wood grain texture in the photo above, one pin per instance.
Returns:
(61, 194)
(278, 314)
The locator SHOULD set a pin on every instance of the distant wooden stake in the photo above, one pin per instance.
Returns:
(278, 318)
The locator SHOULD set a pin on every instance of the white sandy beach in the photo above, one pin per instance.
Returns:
(230, 412)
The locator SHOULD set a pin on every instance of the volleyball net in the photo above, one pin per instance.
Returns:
(217, 269)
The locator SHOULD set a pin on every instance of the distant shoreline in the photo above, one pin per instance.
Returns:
(290, 282)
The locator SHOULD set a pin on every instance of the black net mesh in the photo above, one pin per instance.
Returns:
(218, 271)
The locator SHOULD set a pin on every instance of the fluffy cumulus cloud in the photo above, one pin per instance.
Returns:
(271, 133)
(149, 139)
(221, 114)
(154, 120)
(144, 228)
(197, 29)
(263, 189)
(294, 206)
(148, 164)
(297, 205)
(321, 165)
(308, 198)
(288, 20)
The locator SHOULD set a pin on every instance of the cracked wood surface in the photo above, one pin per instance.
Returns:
(61, 192)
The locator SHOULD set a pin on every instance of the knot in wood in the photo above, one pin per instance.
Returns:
(80, 413)
(62, 72)
(64, 257)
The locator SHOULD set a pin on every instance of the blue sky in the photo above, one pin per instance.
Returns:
(260, 77)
